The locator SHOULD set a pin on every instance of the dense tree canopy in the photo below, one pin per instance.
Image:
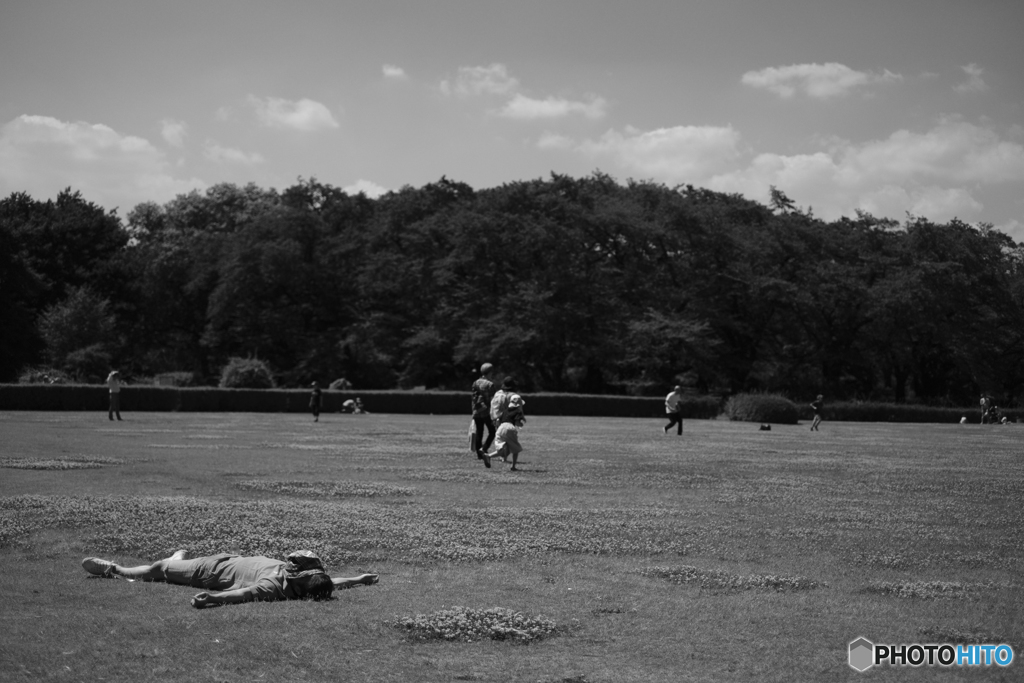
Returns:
(570, 284)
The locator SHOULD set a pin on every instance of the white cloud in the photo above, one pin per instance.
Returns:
(937, 173)
(42, 155)
(370, 189)
(551, 140)
(394, 72)
(974, 82)
(820, 81)
(173, 132)
(1013, 228)
(522, 107)
(681, 154)
(221, 154)
(933, 174)
(304, 115)
(481, 80)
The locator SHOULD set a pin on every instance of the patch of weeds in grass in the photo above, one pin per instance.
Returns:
(953, 635)
(466, 476)
(932, 590)
(716, 579)
(975, 560)
(883, 561)
(199, 446)
(70, 463)
(468, 625)
(370, 489)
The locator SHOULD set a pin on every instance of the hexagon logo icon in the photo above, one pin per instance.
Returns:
(862, 653)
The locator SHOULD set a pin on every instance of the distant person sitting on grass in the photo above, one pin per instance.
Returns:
(355, 407)
(228, 579)
(114, 384)
(816, 406)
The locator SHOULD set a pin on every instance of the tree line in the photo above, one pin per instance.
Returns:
(571, 284)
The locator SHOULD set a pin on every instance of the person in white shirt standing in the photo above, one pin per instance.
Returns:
(114, 384)
(673, 409)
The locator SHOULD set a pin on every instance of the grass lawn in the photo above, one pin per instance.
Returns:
(619, 553)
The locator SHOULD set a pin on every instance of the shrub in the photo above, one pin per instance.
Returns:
(43, 376)
(175, 379)
(722, 580)
(246, 373)
(762, 408)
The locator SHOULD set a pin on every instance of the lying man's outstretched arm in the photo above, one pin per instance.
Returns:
(348, 582)
(231, 597)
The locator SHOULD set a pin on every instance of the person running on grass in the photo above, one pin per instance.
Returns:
(816, 406)
(228, 579)
(507, 413)
(674, 410)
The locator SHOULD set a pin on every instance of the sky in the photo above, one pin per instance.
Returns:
(885, 106)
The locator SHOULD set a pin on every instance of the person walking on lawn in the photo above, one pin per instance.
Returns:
(673, 410)
(316, 399)
(483, 391)
(229, 579)
(817, 406)
(114, 385)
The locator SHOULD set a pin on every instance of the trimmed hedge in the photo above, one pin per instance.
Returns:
(148, 398)
(856, 411)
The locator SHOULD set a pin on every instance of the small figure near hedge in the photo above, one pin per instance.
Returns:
(674, 410)
(816, 406)
(227, 579)
(316, 399)
(114, 384)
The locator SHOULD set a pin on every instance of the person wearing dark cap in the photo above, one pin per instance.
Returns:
(483, 391)
(316, 398)
(673, 410)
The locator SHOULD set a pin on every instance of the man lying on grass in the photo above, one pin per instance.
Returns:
(231, 579)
